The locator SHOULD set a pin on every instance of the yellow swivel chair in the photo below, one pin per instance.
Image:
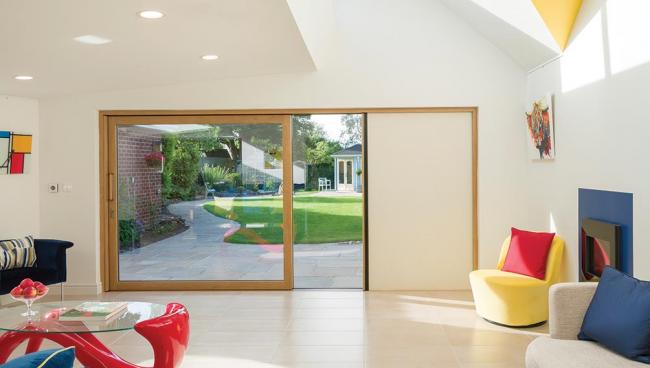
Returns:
(512, 299)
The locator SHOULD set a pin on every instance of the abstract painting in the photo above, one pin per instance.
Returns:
(15, 152)
(541, 129)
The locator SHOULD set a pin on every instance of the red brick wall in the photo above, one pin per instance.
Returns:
(137, 181)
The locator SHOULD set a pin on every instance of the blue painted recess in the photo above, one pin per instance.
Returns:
(615, 207)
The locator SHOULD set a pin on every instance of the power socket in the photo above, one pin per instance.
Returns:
(53, 188)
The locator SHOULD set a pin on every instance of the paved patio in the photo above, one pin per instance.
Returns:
(201, 254)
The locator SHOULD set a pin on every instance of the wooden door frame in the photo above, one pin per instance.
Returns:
(104, 116)
(110, 252)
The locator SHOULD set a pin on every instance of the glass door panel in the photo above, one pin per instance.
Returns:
(327, 223)
(201, 199)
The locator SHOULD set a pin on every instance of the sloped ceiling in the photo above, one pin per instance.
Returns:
(515, 26)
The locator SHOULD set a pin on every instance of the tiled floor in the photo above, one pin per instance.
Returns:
(201, 254)
(333, 329)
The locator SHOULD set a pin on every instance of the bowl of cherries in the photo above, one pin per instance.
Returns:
(28, 292)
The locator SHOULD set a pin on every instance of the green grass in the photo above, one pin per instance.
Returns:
(317, 219)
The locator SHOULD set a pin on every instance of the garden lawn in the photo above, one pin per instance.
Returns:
(317, 219)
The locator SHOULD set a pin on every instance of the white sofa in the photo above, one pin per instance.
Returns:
(568, 303)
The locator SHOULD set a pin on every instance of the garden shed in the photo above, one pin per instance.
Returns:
(348, 169)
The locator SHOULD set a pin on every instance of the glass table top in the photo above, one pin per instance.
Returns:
(46, 318)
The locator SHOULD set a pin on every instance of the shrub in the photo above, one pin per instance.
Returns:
(181, 171)
(183, 152)
(213, 175)
(235, 179)
(129, 233)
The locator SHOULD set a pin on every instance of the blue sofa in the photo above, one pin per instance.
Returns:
(50, 266)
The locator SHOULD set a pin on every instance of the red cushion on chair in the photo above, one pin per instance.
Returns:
(527, 253)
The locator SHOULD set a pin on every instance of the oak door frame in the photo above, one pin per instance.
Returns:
(109, 210)
(104, 115)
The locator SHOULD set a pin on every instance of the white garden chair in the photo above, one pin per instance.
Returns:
(324, 184)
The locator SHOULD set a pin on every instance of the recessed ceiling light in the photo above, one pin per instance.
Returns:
(210, 57)
(151, 14)
(23, 77)
(92, 40)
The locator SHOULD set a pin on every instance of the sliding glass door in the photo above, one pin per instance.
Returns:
(200, 202)
(328, 202)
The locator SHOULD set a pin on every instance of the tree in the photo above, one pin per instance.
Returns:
(321, 153)
(183, 152)
(311, 145)
(351, 133)
(306, 133)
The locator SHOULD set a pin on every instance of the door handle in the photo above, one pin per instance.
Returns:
(111, 178)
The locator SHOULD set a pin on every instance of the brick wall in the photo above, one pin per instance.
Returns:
(139, 186)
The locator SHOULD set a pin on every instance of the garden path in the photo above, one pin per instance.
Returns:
(200, 253)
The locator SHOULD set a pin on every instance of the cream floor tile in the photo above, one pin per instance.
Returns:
(414, 356)
(319, 354)
(489, 354)
(327, 313)
(341, 324)
(328, 303)
(324, 365)
(237, 338)
(324, 338)
(240, 325)
(477, 337)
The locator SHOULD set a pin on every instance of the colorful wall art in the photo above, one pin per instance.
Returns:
(15, 152)
(541, 129)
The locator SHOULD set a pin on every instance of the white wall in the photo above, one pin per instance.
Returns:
(394, 53)
(19, 198)
(602, 125)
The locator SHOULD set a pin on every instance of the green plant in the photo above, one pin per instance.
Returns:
(183, 152)
(269, 184)
(163, 228)
(359, 172)
(213, 175)
(125, 200)
(128, 233)
(235, 179)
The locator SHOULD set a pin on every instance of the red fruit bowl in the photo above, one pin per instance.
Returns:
(29, 294)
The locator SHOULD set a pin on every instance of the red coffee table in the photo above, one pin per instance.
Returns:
(166, 327)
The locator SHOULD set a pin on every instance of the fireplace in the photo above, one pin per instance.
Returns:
(601, 247)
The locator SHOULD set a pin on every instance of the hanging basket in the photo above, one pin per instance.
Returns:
(154, 159)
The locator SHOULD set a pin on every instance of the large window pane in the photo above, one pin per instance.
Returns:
(200, 202)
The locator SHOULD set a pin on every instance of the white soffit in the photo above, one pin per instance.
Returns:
(251, 37)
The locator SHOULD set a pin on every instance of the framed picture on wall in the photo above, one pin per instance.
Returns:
(541, 129)
(15, 152)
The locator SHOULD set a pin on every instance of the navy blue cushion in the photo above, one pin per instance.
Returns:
(54, 358)
(619, 315)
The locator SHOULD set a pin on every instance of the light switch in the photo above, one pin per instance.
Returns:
(67, 188)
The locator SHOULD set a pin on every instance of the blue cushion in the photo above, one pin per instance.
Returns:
(619, 315)
(55, 358)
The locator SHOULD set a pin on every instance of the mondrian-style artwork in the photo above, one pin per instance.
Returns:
(15, 152)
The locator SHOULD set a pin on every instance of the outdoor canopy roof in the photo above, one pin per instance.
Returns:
(354, 150)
